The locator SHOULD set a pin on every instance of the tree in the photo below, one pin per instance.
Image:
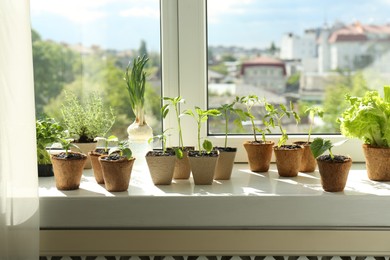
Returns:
(54, 66)
(142, 49)
(334, 103)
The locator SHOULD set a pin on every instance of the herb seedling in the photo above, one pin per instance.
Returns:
(48, 131)
(87, 120)
(200, 117)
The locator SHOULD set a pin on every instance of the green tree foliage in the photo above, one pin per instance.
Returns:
(143, 51)
(59, 68)
(334, 103)
(54, 66)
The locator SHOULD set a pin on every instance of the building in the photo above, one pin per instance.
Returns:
(264, 73)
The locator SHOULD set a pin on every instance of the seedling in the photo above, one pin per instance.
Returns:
(123, 150)
(313, 111)
(107, 141)
(275, 116)
(226, 110)
(319, 146)
(175, 102)
(249, 102)
(162, 138)
(200, 117)
(66, 144)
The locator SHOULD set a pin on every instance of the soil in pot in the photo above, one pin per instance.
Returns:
(116, 172)
(97, 168)
(334, 173)
(377, 162)
(182, 166)
(288, 159)
(161, 166)
(223, 170)
(68, 169)
(85, 148)
(203, 166)
(45, 170)
(259, 155)
(308, 162)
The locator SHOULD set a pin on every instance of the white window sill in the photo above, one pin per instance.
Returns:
(247, 201)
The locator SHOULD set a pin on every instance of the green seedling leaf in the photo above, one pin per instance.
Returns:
(207, 145)
(127, 153)
(319, 146)
(179, 153)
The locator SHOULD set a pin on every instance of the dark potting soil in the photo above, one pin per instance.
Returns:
(202, 154)
(259, 142)
(289, 147)
(185, 148)
(113, 157)
(161, 153)
(226, 149)
(70, 156)
(302, 143)
(336, 159)
(100, 151)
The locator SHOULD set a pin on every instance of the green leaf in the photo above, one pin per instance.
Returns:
(319, 146)
(127, 153)
(179, 153)
(207, 145)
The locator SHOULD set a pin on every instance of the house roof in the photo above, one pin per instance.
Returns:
(357, 32)
(263, 61)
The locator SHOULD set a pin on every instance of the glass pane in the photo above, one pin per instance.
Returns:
(309, 52)
(85, 46)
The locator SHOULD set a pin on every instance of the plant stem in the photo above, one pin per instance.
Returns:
(310, 127)
(331, 154)
(254, 129)
(226, 128)
(199, 125)
(181, 144)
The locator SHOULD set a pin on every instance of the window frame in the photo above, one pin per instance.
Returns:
(185, 73)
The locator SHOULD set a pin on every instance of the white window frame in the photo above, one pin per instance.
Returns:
(184, 64)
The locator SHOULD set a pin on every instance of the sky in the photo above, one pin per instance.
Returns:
(122, 24)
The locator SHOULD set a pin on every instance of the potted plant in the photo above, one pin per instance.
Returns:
(161, 163)
(139, 131)
(223, 170)
(288, 157)
(368, 118)
(182, 164)
(204, 160)
(117, 167)
(94, 156)
(86, 121)
(333, 169)
(308, 162)
(259, 151)
(68, 166)
(48, 131)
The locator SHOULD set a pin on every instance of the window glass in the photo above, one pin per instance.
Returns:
(85, 46)
(306, 52)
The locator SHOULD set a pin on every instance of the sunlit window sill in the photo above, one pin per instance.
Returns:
(247, 201)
